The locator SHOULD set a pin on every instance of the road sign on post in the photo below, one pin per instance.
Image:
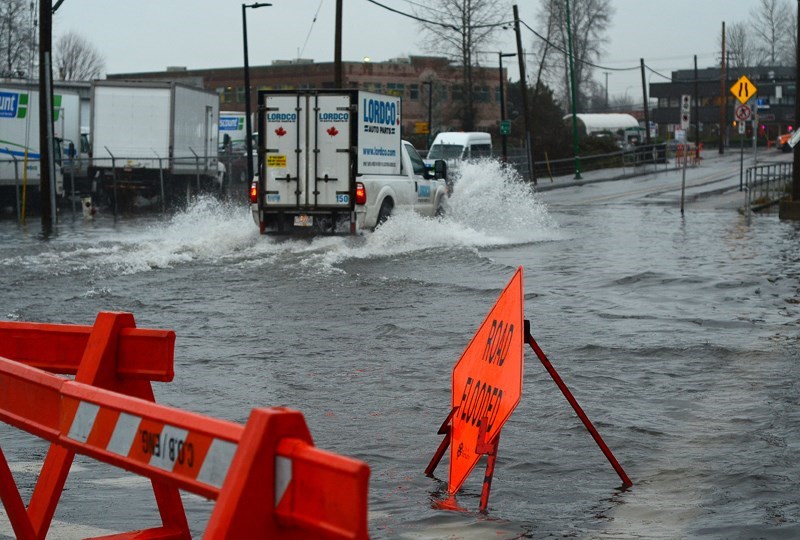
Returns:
(505, 127)
(743, 90)
(686, 106)
(487, 381)
(743, 112)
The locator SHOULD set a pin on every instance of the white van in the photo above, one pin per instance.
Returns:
(460, 145)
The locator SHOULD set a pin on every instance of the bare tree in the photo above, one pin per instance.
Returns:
(458, 29)
(590, 20)
(17, 39)
(76, 59)
(740, 46)
(788, 43)
(770, 24)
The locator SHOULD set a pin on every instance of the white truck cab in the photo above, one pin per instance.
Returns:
(333, 161)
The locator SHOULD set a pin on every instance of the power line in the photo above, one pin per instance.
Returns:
(300, 54)
(561, 49)
(436, 23)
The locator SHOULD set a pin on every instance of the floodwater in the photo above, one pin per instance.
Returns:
(678, 336)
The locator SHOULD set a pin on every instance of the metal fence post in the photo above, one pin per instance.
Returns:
(113, 178)
(16, 183)
(197, 168)
(161, 181)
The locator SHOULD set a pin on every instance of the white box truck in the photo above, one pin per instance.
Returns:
(333, 161)
(154, 139)
(19, 138)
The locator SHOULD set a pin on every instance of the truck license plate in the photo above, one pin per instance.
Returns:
(303, 220)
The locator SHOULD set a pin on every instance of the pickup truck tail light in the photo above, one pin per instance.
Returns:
(361, 193)
(254, 192)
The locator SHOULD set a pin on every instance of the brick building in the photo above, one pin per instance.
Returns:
(412, 78)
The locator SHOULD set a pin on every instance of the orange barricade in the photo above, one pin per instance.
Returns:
(266, 476)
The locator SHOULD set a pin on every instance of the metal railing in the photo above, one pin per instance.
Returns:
(631, 161)
(765, 185)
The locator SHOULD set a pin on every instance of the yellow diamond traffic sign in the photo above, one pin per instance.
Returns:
(743, 89)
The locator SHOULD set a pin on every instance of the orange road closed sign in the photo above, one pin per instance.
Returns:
(487, 381)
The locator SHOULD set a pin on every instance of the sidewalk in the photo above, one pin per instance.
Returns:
(713, 183)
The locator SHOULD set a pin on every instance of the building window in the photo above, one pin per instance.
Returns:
(227, 95)
(240, 94)
(663, 103)
(674, 101)
(481, 94)
(457, 92)
(413, 92)
(395, 89)
(497, 94)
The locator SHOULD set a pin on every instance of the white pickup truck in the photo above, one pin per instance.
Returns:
(332, 161)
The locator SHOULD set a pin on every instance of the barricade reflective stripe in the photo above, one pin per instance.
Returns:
(283, 475)
(149, 442)
(218, 461)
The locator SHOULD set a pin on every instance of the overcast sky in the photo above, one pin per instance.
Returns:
(149, 35)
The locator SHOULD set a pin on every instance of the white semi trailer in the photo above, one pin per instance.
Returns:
(154, 139)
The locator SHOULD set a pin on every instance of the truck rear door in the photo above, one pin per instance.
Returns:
(307, 152)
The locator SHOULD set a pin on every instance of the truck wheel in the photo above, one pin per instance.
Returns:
(440, 211)
(384, 212)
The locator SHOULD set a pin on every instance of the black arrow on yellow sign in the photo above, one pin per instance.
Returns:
(744, 90)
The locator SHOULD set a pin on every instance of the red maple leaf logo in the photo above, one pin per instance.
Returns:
(280, 132)
(332, 131)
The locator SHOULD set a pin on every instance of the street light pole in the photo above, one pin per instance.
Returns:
(503, 136)
(430, 110)
(248, 122)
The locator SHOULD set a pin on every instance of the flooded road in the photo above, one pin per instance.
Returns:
(678, 336)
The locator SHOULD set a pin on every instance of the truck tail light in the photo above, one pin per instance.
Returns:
(254, 192)
(361, 193)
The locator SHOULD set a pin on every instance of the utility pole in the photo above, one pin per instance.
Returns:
(337, 48)
(46, 150)
(723, 95)
(790, 209)
(696, 109)
(576, 149)
(646, 108)
(796, 157)
(524, 88)
(606, 73)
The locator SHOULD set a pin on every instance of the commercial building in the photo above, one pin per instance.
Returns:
(774, 100)
(413, 78)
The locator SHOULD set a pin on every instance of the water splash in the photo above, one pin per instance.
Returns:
(497, 205)
(490, 206)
